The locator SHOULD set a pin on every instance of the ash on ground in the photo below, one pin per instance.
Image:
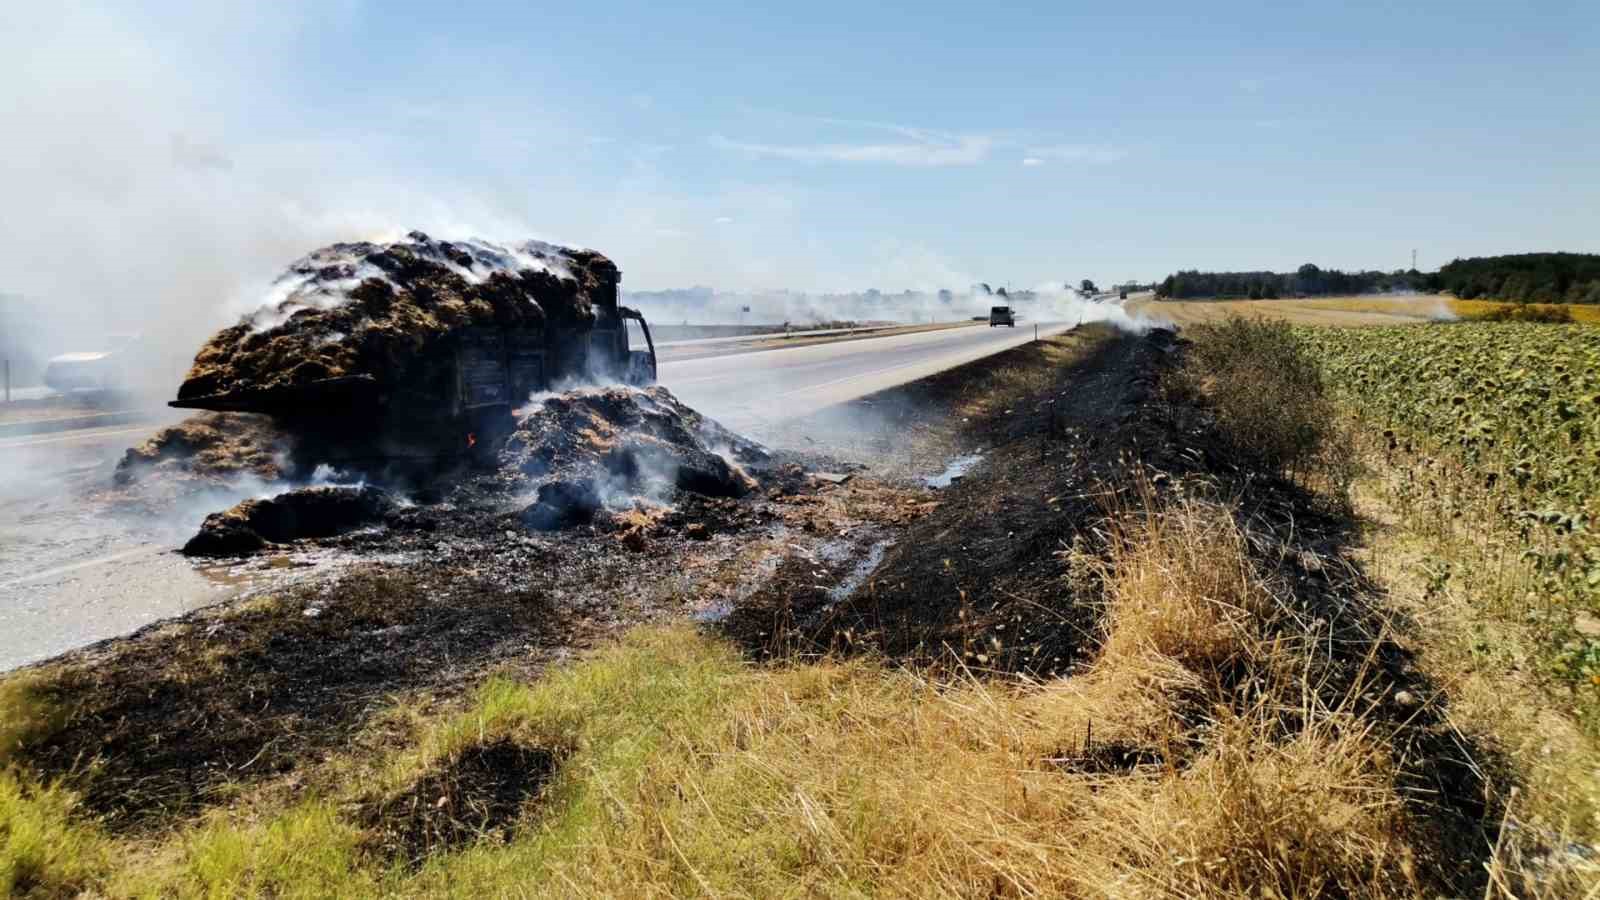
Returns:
(609, 457)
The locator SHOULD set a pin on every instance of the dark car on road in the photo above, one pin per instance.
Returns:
(1001, 315)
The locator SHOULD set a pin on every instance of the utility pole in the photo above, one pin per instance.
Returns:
(1413, 260)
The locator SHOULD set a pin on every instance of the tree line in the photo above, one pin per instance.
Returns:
(1524, 278)
(1519, 278)
(1307, 281)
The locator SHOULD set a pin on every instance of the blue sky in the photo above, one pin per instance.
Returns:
(815, 146)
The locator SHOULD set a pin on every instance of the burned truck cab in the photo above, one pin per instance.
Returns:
(495, 370)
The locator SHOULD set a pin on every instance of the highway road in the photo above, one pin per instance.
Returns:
(750, 391)
(70, 574)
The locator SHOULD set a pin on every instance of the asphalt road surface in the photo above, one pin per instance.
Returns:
(750, 391)
(69, 572)
(71, 575)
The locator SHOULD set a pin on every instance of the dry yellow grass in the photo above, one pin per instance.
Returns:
(1580, 313)
(992, 388)
(1359, 310)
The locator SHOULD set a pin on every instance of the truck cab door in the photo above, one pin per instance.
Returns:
(641, 368)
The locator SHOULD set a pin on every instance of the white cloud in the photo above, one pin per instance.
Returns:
(927, 150)
(723, 220)
(1074, 153)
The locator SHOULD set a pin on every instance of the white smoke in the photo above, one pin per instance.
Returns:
(1047, 303)
(324, 278)
(143, 198)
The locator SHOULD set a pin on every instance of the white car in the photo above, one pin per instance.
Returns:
(99, 370)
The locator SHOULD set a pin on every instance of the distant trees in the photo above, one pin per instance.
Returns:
(1309, 280)
(1086, 286)
(1524, 278)
(1519, 278)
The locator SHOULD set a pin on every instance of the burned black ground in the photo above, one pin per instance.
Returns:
(980, 577)
(420, 600)
(478, 793)
(171, 720)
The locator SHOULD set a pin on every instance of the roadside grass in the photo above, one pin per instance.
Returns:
(29, 709)
(993, 388)
(45, 849)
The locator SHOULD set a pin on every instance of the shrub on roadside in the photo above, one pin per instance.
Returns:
(1269, 400)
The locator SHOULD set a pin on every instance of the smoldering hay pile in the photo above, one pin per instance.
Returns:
(359, 308)
(375, 309)
(322, 511)
(588, 447)
(210, 448)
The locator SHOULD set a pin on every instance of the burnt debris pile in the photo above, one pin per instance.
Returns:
(403, 365)
(596, 447)
(210, 448)
(312, 512)
(377, 310)
(590, 455)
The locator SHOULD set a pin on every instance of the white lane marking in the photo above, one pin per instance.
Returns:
(86, 564)
(75, 436)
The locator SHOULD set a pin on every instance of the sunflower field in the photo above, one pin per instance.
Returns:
(1498, 421)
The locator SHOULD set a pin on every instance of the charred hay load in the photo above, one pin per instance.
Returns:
(420, 341)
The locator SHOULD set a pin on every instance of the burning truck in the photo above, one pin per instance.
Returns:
(417, 348)
(395, 364)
